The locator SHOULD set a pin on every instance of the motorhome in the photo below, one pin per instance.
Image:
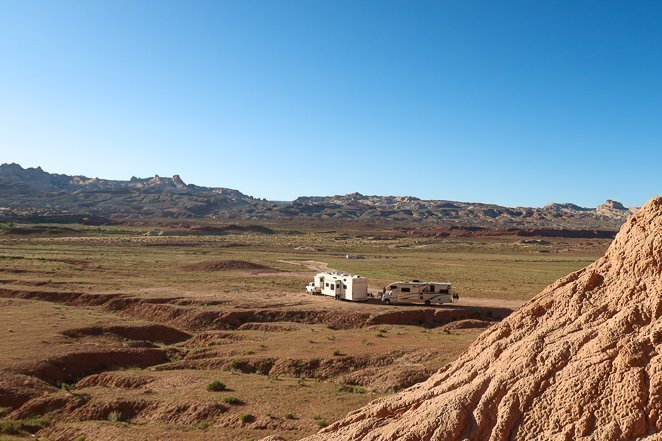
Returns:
(415, 291)
(339, 286)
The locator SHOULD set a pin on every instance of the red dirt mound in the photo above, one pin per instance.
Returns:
(152, 333)
(268, 327)
(226, 265)
(46, 404)
(466, 324)
(16, 389)
(110, 379)
(582, 360)
(71, 366)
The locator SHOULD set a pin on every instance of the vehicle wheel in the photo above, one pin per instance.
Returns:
(427, 303)
(387, 301)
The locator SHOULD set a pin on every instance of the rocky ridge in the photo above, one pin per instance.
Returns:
(582, 360)
(35, 195)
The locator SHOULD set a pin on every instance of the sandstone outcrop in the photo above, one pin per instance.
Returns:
(581, 361)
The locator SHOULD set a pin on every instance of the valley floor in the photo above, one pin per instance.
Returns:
(109, 333)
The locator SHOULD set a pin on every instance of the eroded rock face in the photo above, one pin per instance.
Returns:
(582, 360)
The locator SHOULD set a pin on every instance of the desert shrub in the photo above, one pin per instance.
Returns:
(67, 387)
(10, 427)
(80, 438)
(235, 364)
(216, 386)
(36, 423)
(234, 401)
(115, 416)
(337, 353)
(4, 411)
(289, 416)
(202, 425)
(343, 387)
(174, 356)
(320, 422)
(246, 418)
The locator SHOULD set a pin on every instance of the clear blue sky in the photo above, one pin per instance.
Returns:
(511, 102)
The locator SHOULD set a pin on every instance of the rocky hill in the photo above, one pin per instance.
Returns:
(357, 206)
(35, 195)
(582, 360)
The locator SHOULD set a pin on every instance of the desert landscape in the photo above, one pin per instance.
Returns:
(330, 220)
(202, 329)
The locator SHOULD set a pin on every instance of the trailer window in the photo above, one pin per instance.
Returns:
(444, 290)
(327, 285)
(404, 290)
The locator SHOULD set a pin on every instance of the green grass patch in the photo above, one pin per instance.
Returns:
(216, 386)
(320, 422)
(10, 427)
(246, 418)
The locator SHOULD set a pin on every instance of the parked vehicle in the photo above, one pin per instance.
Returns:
(339, 286)
(427, 293)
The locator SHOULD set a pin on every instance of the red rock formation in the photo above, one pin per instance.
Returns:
(582, 360)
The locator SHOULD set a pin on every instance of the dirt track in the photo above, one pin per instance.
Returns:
(312, 265)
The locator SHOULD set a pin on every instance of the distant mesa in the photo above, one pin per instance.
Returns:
(613, 205)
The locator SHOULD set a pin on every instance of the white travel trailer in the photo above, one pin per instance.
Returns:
(339, 286)
(427, 293)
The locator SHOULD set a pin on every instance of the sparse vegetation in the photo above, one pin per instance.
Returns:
(68, 387)
(36, 423)
(246, 418)
(202, 425)
(216, 386)
(115, 416)
(234, 401)
(290, 416)
(175, 356)
(343, 387)
(337, 353)
(320, 422)
(10, 427)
